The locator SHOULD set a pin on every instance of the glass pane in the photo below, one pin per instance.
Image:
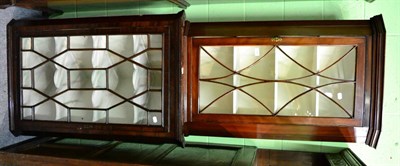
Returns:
(246, 104)
(99, 116)
(124, 73)
(101, 59)
(287, 69)
(141, 100)
(155, 79)
(61, 112)
(80, 78)
(211, 59)
(78, 115)
(154, 101)
(42, 78)
(139, 79)
(261, 59)
(123, 114)
(305, 56)
(142, 59)
(140, 43)
(328, 55)
(212, 91)
(60, 78)
(76, 42)
(45, 111)
(246, 56)
(327, 108)
(304, 105)
(31, 97)
(26, 78)
(155, 58)
(61, 44)
(27, 113)
(26, 43)
(344, 68)
(224, 105)
(121, 44)
(342, 94)
(263, 92)
(44, 46)
(99, 78)
(104, 99)
(284, 93)
(31, 59)
(139, 116)
(75, 98)
(156, 41)
(99, 41)
(76, 59)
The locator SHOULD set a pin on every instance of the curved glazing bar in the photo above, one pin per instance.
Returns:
(278, 80)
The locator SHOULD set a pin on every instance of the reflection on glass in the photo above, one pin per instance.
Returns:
(154, 118)
(93, 79)
(341, 93)
(311, 80)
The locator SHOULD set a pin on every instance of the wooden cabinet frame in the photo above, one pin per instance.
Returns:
(369, 37)
(171, 28)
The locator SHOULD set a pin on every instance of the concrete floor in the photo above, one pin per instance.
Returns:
(6, 138)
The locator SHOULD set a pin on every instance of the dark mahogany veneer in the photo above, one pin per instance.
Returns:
(170, 26)
(367, 35)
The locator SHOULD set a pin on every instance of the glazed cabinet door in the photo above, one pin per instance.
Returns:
(273, 81)
(114, 77)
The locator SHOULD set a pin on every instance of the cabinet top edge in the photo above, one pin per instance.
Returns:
(101, 19)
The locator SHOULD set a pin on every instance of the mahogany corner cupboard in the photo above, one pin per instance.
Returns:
(106, 78)
(158, 78)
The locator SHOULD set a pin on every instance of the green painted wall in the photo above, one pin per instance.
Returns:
(388, 150)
